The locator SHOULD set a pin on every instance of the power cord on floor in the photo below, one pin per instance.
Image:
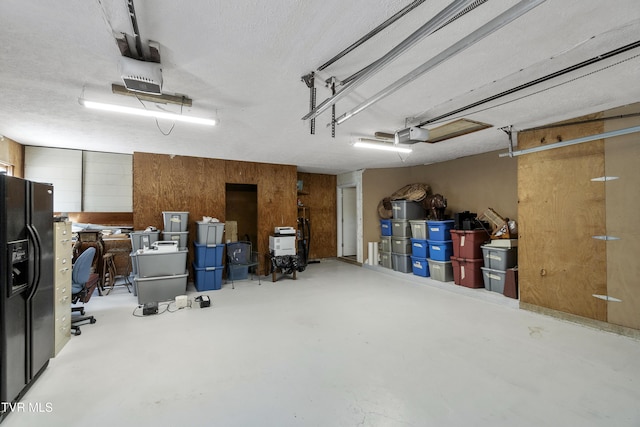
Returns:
(146, 310)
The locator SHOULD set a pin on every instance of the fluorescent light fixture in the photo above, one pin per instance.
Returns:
(380, 145)
(146, 113)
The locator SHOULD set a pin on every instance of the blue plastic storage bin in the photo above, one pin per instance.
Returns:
(440, 230)
(420, 266)
(420, 248)
(207, 278)
(208, 255)
(385, 227)
(440, 251)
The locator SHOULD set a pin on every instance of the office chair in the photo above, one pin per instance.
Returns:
(83, 283)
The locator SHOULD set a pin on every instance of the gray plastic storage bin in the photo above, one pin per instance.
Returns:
(209, 233)
(143, 239)
(178, 236)
(493, 279)
(175, 221)
(499, 258)
(385, 243)
(156, 263)
(156, 289)
(441, 270)
(401, 245)
(406, 209)
(419, 229)
(400, 228)
(402, 263)
(385, 260)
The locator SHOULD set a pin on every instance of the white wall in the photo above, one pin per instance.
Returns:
(83, 181)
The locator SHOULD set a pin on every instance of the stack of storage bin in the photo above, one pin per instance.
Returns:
(161, 270)
(161, 273)
(208, 251)
(440, 250)
(385, 243)
(467, 259)
(419, 247)
(403, 211)
(140, 240)
(175, 228)
(497, 260)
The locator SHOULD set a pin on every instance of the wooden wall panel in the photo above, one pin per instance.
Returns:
(623, 269)
(319, 195)
(276, 194)
(560, 265)
(176, 183)
(12, 153)
(124, 219)
(197, 185)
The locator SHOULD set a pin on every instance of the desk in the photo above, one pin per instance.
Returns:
(285, 264)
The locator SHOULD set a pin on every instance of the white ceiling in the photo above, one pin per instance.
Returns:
(242, 61)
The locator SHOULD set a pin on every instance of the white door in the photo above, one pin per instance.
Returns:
(349, 221)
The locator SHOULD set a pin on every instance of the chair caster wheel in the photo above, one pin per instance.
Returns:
(82, 312)
(78, 332)
(93, 321)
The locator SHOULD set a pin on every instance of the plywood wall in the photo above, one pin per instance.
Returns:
(622, 156)
(319, 196)
(197, 185)
(12, 153)
(561, 266)
(124, 219)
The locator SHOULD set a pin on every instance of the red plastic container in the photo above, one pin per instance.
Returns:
(466, 243)
(511, 283)
(468, 272)
(456, 269)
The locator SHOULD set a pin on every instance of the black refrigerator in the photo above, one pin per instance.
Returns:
(26, 284)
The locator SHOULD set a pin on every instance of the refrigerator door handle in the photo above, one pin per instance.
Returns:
(35, 280)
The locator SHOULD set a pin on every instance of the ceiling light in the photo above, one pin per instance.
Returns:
(147, 113)
(380, 145)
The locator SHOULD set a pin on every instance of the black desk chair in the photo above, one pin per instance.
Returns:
(239, 257)
(83, 284)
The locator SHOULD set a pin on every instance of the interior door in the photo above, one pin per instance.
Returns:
(349, 222)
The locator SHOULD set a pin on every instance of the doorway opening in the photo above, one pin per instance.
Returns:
(242, 207)
(349, 222)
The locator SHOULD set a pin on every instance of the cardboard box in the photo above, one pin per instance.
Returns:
(231, 231)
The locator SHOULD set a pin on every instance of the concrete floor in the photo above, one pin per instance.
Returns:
(341, 346)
